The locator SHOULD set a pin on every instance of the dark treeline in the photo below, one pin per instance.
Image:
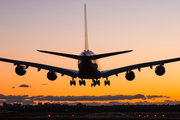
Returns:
(85, 108)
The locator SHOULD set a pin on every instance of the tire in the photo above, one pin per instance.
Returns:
(98, 82)
(84, 82)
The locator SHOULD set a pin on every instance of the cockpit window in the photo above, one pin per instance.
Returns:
(87, 53)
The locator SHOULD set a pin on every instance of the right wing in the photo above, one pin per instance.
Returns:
(63, 71)
(108, 73)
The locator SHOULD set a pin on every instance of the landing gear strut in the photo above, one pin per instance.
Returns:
(72, 82)
(95, 82)
(82, 82)
(107, 82)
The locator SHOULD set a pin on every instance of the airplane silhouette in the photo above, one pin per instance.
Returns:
(88, 65)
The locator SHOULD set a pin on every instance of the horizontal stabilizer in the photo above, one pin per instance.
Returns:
(62, 54)
(108, 54)
(79, 57)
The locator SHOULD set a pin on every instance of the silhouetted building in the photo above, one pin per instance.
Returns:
(39, 104)
(46, 104)
(4, 104)
(17, 105)
(47, 107)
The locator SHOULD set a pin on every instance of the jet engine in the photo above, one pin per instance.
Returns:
(51, 75)
(160, 70)
(130, 75)
(20, 70)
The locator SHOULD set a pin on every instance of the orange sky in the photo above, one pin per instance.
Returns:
(150, 28)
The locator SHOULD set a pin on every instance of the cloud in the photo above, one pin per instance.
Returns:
(44, 84)
(156, 96)
(20, 98)
(24, 85)
(89, 98)
(92, 100)
(13, 87)
(22, 101)
(14, 96)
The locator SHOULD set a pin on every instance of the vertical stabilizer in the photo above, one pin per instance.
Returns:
(86, 36)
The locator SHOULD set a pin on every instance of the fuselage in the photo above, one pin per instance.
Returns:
(88, 69)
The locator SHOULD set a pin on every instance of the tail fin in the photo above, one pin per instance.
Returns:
(85, 22)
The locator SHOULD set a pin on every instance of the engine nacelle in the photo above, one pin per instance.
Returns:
(51, 75)
(20, 70)
(160, 70)
(130, 75)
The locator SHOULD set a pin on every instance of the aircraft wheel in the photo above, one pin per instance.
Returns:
(98, 82)
(93, 85)
(107, 82)
(80, 82)
(72, 82)
(84, 82)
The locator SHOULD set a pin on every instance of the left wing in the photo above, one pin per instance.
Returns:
(69, 72)
(108, 73)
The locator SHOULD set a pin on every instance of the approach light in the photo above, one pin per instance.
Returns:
(72, 115)
(139, 115)
(163, 115)
(147, 115)
(49, 115)
(154, 115)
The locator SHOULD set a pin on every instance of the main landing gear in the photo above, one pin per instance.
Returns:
(72, 82)
(95, 82)
(107, 82)
(82, 82)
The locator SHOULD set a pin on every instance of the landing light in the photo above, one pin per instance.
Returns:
(72, 115)
(139, 115)
(49, 115)
(154, 115)
(163, 115)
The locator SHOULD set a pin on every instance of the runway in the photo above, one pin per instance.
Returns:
(96, 116)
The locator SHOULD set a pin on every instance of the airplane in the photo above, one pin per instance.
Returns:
(88, 65)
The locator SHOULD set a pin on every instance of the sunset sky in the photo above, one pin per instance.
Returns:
(150, 28)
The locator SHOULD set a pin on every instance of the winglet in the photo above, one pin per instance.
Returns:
(85, 22)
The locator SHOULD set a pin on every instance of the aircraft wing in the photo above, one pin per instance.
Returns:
(64, 71)
(108, 73)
